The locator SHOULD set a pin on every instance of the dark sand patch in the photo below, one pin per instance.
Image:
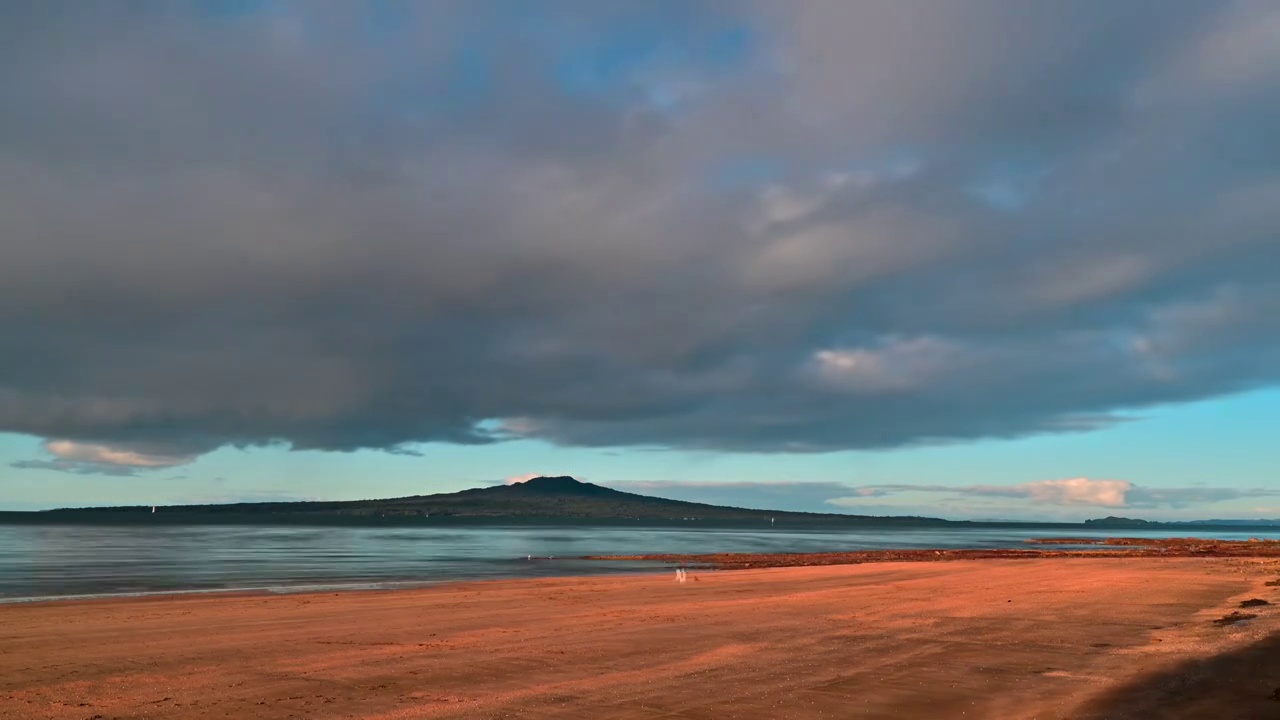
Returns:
(1236, 685)
(1234, 617)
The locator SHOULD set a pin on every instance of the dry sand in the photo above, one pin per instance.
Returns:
(990, 639)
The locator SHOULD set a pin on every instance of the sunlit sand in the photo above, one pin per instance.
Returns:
(995, 639)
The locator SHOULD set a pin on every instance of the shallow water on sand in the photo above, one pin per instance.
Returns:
(43, 561)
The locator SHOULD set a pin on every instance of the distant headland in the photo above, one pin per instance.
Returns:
(541, 499)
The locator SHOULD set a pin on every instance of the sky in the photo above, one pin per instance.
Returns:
(975, 259)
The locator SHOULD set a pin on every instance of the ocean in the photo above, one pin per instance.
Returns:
(65, 561)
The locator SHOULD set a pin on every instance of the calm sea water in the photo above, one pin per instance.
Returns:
(67, 561)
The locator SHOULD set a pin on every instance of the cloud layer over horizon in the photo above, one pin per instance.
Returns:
(1061, 499)
(764, 227)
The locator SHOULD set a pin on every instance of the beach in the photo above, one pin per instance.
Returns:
(1065, 637)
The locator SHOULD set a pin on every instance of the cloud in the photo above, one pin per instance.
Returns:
(1068, 492)
(761, 227)
(797, 496)
(1060, 499)
(1147, 497)
(898, 365)
(75, 468)
(516, 479)
(98, 459)
(1071, 491)
(106, 455)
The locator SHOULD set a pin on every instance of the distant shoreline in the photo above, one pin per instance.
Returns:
(91, 517)
(544, 500)
(88, 517)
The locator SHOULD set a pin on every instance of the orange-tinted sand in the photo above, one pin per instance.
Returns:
(989, 639)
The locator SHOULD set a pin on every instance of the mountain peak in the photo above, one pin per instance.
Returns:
(558, 484)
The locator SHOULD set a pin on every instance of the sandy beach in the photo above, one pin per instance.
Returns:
(1076, 638)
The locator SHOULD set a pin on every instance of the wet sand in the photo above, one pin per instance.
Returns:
(1079, 638)
(1067, 547)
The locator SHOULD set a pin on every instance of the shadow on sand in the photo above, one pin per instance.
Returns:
(1237, 685)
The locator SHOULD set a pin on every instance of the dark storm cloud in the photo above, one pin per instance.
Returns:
(319, 225)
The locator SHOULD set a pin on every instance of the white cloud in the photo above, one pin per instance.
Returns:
(81, 458)
(108, 455)
(1072, 491)
(1067, 492)
(516, 479)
